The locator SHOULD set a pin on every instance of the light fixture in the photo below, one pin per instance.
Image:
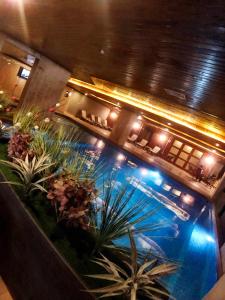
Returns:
(120, 157)
(144, 171)
(1, 106)
(86, 94)
(217, 145)
(113, 115)
(169, 123)
(57, 104)
(209, 160)
(136, 125)
(46, 120)
(68, 94)
(162, 137)
(187, 199)
(1, 92)
(139, 117)
(100, 144)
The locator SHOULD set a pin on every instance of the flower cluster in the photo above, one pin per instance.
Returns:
(19, 146)
(72, 200)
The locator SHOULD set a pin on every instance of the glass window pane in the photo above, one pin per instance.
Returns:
(183, 155)
(187, 149)
(177, 144)
(180, 162)
(174, 150)
(197, 154)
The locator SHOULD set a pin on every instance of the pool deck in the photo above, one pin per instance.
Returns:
(175, 172)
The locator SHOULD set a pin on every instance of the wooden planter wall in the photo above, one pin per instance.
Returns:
(29, 264)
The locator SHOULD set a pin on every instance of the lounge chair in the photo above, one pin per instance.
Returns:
(154, 150)
(99, 121)
(84, 116)
(142, 143)
(92, 119)
(132, 138)
(105, 125)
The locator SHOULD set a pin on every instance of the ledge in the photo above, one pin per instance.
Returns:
(29, 264)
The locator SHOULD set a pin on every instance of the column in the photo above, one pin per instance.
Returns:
(219, 190)
(45, 84)
(123, 126)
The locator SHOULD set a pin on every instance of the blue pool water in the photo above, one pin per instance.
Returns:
(188, 237)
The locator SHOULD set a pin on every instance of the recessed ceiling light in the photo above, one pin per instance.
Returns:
(217, 144)
(169, 123)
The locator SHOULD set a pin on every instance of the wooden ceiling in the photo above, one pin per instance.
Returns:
(173, 49)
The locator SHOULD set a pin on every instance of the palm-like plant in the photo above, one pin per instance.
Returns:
(116, 215)
(30, 172)
(131, 279)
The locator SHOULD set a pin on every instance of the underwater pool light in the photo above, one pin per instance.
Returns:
(120, 157)
(144, 171)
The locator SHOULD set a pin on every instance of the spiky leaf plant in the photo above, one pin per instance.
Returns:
(135, 279)
(117, 214)
(30, 172)
(83, 168)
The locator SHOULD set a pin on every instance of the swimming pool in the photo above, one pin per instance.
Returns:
(189, 234)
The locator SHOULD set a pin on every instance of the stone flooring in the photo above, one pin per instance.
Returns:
(172, 170)
(4, 293)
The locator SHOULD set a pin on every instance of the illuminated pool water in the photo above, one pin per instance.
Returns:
(188, 236)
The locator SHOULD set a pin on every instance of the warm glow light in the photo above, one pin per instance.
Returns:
(57, 104)
(177, 117)
(169, 124)
(100, 144)
(113, 115)
(187, 199)
(1, 106)
(144, 171)
(46, 120)
(139, 117)
(1, 92)
(217, 145)
(209, 160)
(162, 137)
(136, 125)
(120, 157)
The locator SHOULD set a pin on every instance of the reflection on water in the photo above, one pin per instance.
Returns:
(187, 235)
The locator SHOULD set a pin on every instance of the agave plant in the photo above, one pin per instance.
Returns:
(30, 172)
(132, 279)
(116, 214)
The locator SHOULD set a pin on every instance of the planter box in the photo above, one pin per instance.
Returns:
(29, 264)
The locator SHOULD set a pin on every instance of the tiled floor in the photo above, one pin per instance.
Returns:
(169, 168)
(4, 293)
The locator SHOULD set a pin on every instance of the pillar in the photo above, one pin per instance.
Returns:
(219, 191)
(122, 127)
(45, 84)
